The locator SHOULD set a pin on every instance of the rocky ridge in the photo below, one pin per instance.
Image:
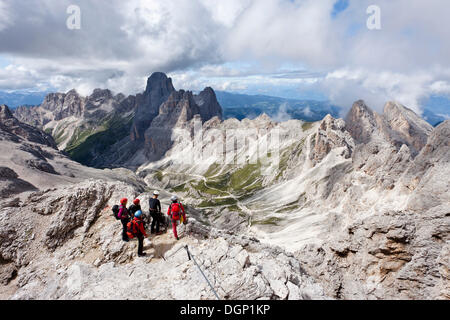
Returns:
(33, 162)
(14, 130)
(94, 129)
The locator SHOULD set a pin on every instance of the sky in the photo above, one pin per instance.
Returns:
(305, 49)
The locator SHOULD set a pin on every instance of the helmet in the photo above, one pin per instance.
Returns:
(156, 192)
(138, 214)
(123, 201)
(174, 198)
(136, 201)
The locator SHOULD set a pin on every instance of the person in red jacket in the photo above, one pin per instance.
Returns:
(137, 229)
(124, 218)
(176, 211)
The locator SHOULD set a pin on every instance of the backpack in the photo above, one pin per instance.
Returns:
(132, 229)
(133, 209)
(175, 210)
(115, 210)
(125, 214)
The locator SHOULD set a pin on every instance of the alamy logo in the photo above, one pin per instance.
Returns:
(73, 22)
(374, 20)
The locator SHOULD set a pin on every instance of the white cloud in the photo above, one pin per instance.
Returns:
(226, 12)
(282, 114)
(5, 15)
(232, 45)
(307, 111)
(346, 85)
(440, 87)
(275, 30)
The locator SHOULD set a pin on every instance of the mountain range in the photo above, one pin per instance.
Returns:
(106, 130)
(21, 98)
(340, 208)
(240, 106)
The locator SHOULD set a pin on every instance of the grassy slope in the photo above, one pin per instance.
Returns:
(242, 182)
(87, 142)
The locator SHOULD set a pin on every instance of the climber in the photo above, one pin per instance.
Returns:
(134, 208)
(136, 228)
(155, 212)
(124, 218)
(176, 213)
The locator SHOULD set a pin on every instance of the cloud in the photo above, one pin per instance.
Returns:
(127, 39)
(272, 31)
(282, 114)
(440, 87)
(265, 46)
(344, 86)
(307, 111)
(5, 15)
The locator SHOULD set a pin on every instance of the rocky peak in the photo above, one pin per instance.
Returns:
(5, 113)
(159, 88)
(174, 113)
(361, 109)
(72, 93)
(208, 104)
(159, 83)
(331, 134)
(361, 122)
(180, 106)
(64, 105)
(441, 135)
(73, 105)
(52, 101)
(120, 97)
(101, 94)
(407, 124)
(437, 147)
(263, 121)
(397, 126)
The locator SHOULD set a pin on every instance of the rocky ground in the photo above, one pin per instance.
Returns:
(65, 244)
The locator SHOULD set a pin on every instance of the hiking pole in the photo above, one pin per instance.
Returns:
(187, 250)
(193, 259)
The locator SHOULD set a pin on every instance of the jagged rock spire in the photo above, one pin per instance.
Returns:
(159, 88)
(361, 122)
(208, 104)
(5, 113)
(160, 84)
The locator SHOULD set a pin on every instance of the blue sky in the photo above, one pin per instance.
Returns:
(339, 6)
(305, 49)
(4, 62)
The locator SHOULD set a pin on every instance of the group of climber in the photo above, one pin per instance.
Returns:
(133, 220)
